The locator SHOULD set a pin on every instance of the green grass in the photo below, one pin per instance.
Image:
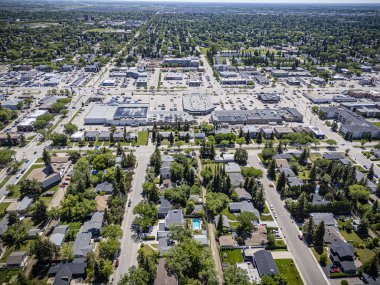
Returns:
(266, 209)
(5, 180)
(26, 174)
(7, 274)
(142, 138)
(317, 255)
(9, 249)
(16, 192)
(3, 207)
(266, 218)
(232, 256)
(28, 139)
(289, 270)
(377, 124)
(365, 254)
(229, 215)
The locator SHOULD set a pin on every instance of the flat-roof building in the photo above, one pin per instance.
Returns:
(197, 104)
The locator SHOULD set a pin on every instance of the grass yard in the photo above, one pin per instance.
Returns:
(15, 193)
(7, 274)
(142, 138)
(266, 218)
(229, 215)
(377, 124)
(289, 270)
(365, 254)
(3, 207)
(5, 180)
(232, 256)
(25, 247)
(317, 255)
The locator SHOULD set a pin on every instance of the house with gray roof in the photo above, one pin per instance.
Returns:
(264, 262)
(64, 272)
(342, 256)
(236, 179)
(106, 187)
(58, 235)
(243, 206)
(104, 136)
(94, 225)
(164, 207)
(317, 199)
(82, 244)
(232, 167)
(242, 194)
(17, 259)
(91, 136)
(4, 224)
(327, 218)
(174, 217)
(226, 223)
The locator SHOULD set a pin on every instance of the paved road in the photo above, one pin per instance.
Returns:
(307, 265)
(129, 247)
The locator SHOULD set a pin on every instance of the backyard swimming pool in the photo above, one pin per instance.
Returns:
(196, 224)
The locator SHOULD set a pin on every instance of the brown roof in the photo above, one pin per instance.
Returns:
(258, 237)
(40, 174)
(226, 241)
(12, 207)
(59, 159)
(163, 277)
(101, 202)
(280, 163)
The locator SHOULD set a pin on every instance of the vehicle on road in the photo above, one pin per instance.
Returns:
(27, 161)
(300, 237)
(129, 203)
(275, 216)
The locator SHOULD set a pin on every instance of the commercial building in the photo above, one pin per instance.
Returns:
(233, 81)
(353, 126)
(181, 62)
(197, 104)
(278, 73)
(142, 82)
(269, 97)
(256, 116)
(317, 98)
(108, 82)
(173, 76)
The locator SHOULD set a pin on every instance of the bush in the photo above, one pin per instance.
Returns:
(344, 282)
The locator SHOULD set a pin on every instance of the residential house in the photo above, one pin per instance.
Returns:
(20, 206)
(82, 244)
(232, 167)
(317, 199)
(94, 225)
(264, 262)
(91, 136)
(236, 179)
(258, 237)
(130, 136)
(58, 235)
(196, 199)
(15, 139)
(243, 206)
(242, 194)
(342, 256)
(17, 259)
(77, 136)
(164, 208)
(105, 187)
(65, 272)
(104, 136)
(226, 223)
(227, 241)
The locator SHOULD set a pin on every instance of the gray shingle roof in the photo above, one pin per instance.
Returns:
(265, 263)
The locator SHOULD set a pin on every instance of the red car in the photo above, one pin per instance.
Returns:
(300, 237)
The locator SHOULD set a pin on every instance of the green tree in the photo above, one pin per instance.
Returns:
(308, 230)
(108, 248)
(135, 276)
(146, 215)
(241, 156)
(46, 156)
(70, 128)
(216, 202)
(234, 275)
(44, 250)
(319, 235)
(272, 169)
(39, 212)
(245, 226)
(281, 182)
(112, 232)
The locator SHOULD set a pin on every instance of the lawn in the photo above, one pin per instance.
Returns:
(25, 247)
(232, 256)
(364, 254)
(317, 255)
(7, 274)
(351, 237)
(142, 138)
(16, 192)
(5, 180)
(266, 209)
(26, 174)
(229, 215)
(266, 218)
(3, 207)
(289, 270)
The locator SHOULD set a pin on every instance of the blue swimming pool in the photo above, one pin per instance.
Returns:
(196, 224)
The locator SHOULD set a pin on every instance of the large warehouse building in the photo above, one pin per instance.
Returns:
(197, 104)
